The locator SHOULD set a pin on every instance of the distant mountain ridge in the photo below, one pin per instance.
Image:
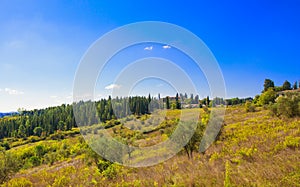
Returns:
(3, 114)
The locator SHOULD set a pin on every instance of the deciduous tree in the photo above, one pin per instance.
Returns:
(268, 84)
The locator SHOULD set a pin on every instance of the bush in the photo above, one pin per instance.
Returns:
(9, 165)
(267, 97)
(50, 158)
(34, 161)
(287, 106)
(249, 107)
(38, 131)
(33, 139)
(39, 150)
(57, 136)
(5, 145)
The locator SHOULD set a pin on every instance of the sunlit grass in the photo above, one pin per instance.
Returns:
(254, 148)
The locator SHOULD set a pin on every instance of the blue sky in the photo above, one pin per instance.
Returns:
(42, 42)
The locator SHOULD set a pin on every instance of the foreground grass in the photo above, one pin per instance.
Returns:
(254, 149)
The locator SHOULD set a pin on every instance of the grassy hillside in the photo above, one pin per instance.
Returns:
(253, 149)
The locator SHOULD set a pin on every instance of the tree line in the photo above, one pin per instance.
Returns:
(268, 83)
(38, 122)
(44, 122)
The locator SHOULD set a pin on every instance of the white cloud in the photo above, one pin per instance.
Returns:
(148, 48)
(53, 96)
(112, 86)
(166, 47)
(13, 92)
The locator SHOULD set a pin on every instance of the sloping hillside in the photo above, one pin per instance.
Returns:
(254, 149)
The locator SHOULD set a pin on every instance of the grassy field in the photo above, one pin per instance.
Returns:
(253, 149)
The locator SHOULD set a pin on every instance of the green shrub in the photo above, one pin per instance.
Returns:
(33, 139)
(34, 161)
(50, 158)
(57, 136)
(267, 97)
(9, 165)
(249, 107)
(287, 106)
(38, 131)
(111, 123)
(39, 150)
(5, 145)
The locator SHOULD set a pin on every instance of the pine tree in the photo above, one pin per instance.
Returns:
(22, 131)
(286, 85)
(192, 97)
(207, 101)
(167, 102)
(185, 96)
(178, 105)
(295, 86)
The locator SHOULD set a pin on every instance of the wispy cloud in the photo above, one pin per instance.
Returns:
(53, 96)
(149, 48)
(112, 86)
(13, 92)
(166, 47)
